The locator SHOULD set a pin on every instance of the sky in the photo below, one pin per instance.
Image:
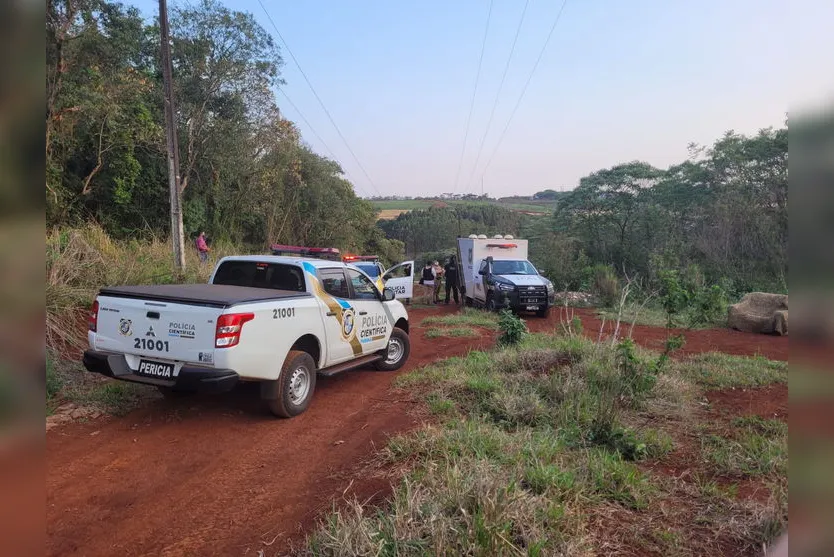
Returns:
(620, 80)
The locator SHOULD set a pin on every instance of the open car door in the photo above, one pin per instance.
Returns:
(400, 279)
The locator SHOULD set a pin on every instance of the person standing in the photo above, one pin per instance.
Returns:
(438, 280)
(452, 277)
(202, 247)
(427, 277)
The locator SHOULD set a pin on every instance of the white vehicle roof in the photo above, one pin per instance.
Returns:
(291, 260)
(315, 262)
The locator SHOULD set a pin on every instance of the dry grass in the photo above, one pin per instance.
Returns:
(390, 214)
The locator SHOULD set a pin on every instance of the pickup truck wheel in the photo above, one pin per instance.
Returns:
(542, 312)
(295, 386)
(490, 304)
(396, 353)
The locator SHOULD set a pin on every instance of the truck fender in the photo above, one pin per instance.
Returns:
(402, 323)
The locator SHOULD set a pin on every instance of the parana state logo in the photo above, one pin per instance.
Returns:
(125, 327)
(348, 324)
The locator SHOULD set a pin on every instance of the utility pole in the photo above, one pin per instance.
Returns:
(171, 139)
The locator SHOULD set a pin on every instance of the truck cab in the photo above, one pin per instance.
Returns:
(497, 275)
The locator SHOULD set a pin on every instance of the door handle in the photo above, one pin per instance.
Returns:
(363, 313)
(331, 313)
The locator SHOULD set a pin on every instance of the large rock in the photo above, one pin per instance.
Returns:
(760, 312)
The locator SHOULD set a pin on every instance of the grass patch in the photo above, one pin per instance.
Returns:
(532, 456)
(467, 317)
(655, 316)
(757, 447)
(69, 382)
(719, 371)
(436, 332)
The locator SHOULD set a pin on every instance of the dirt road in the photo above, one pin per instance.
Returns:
(219, 475)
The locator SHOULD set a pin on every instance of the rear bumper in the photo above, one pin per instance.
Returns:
(190, 378)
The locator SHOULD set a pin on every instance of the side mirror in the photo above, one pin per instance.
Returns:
(387, 295)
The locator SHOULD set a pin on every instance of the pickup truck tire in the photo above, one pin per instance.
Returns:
(542, 312)
(295, 386)
(490, 303)
(396, 353)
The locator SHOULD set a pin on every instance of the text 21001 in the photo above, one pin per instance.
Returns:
(150, 344)
(283, 313)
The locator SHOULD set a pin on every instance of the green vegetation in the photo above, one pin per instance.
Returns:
(438, 332)
(719, 371)
(435, 229)
(537, 453)
(468, 317)
(512, 328)
(719, 216)
(68, 382)
(754, 447)
(521, 204)
(247, 177)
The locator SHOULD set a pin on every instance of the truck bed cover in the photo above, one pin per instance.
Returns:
(215, 295)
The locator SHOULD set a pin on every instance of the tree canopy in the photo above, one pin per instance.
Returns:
(246, 174)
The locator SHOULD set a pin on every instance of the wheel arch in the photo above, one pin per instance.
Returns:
(310, 344)
(402, 323)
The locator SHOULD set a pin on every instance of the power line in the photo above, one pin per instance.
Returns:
(474, 92)
(321, 103)
(524, 89)
(312, 129)
(498, 95)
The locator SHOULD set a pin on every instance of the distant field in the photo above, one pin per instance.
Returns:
(389, 209)
(390, 214)
(404, 204)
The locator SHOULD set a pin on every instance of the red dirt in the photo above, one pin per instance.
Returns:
(697, 340)
(219, 475)
(770, 401)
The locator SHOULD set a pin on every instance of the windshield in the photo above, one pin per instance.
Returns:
(513, 268)
(369, 269)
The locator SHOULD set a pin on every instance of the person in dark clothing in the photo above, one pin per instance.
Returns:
(451, 272)
(427, 278)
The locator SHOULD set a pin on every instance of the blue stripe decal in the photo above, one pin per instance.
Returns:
(342, 303)
(309, 268)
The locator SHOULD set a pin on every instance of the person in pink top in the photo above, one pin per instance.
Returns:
(202, 247)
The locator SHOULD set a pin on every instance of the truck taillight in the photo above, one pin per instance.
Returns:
(229, 327)
(93, 318)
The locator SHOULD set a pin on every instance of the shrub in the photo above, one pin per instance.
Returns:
(709, 305)
(604, 284)
(512, 328)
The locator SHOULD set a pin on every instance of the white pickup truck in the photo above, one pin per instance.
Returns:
(276, 320)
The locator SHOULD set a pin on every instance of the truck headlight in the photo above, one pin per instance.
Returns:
(506, 287)
(549, 287)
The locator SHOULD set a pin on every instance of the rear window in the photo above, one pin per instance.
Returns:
(258, 274)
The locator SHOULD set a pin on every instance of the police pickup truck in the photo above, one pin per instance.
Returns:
(276, 320)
